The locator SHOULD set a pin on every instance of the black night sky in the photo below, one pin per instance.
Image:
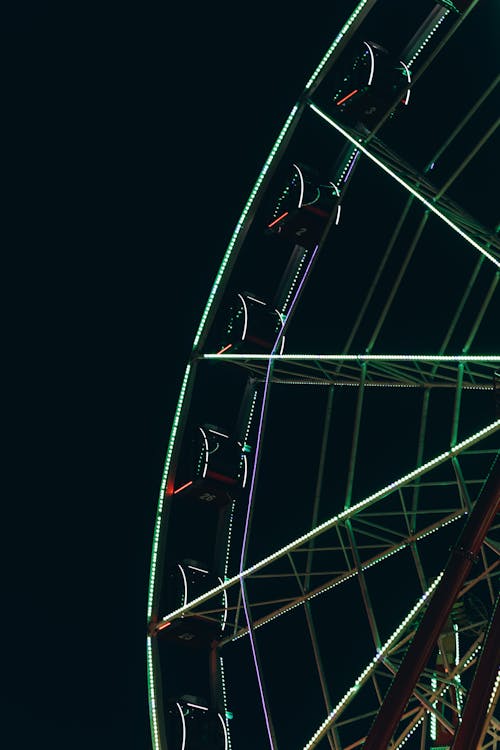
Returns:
(132, 137)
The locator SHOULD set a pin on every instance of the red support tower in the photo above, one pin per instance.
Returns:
(457, 569)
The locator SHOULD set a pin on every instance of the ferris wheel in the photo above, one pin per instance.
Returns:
(326, 549)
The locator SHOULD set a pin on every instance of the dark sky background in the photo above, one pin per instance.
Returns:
(132, 138)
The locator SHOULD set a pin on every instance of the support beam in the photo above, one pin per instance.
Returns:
(481, 698)
(460, 562)
(405, 183)
(338, 519)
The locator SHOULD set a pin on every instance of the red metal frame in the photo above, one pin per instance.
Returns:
(461, 559)
(475, 716)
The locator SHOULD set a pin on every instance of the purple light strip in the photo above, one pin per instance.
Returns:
(250, 502)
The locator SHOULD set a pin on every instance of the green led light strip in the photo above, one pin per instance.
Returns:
(494, 691)
(152, 700)
(436, 692)
(379, 384)
(343, 31)
(364, 357)
(404, 184)
(155, 733)
(490, 429)
(240, 224)
(412, 730)
(159, 512)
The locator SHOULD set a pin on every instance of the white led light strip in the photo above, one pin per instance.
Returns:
(183, 721)
(207, 452)
(381, 384)
(408, 75)
(184, 582)
(433, 720)
(437, 691)
(370, 668)
(245, 313)
(495, 690)
(490, 429)
(478, 358)
(322, 590)
(224, 729)
(372, 63)
(292, 287)
(412, 730)
(404, 184)
(224, 701)
(301, 182)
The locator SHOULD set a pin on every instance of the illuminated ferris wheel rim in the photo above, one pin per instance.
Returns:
(219, 284)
